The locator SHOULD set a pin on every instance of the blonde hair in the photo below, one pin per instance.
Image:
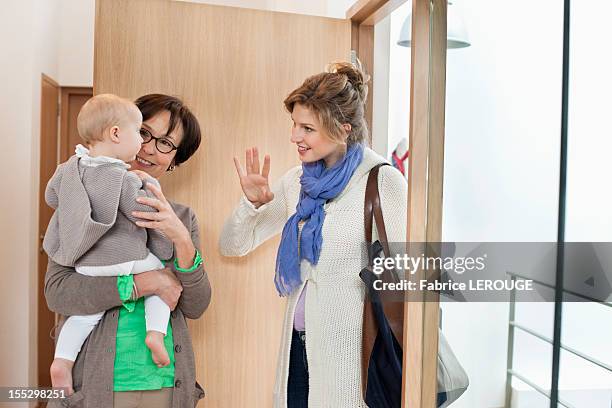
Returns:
(337, 97)
(102, 112)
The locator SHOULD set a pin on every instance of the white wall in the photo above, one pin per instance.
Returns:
(380, 94)
(29, 44)
(54, 37)
(589, 164)
(76, 48)
(399, 80)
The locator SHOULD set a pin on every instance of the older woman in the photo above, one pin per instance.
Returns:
(114, 367)
(318, 207)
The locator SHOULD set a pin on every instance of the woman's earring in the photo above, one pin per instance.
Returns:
(172, 167)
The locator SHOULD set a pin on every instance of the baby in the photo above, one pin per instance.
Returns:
(93, 228)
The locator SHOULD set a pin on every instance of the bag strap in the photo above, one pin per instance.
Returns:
(393, 311)
(373, 211)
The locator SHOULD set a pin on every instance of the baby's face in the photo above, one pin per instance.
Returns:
(130, 140)
(133, 140)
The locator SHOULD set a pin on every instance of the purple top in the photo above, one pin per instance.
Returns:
(299, 323)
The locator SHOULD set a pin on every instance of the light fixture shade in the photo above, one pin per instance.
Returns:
(456, 36)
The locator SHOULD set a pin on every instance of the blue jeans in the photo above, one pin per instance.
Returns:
(297, 383)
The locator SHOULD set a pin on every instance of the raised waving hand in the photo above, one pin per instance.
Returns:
(255, 185)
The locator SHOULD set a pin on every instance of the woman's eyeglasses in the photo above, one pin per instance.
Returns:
(162, 144)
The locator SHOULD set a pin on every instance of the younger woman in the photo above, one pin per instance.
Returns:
(318, 207)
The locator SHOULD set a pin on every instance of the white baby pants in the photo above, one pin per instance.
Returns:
(76, 328)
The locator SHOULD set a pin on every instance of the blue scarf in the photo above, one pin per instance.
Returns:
(319, 184)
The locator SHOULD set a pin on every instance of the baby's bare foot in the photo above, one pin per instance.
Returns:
(155, 343)
(61, 374)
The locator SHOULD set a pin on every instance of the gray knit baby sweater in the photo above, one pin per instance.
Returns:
(93, 223)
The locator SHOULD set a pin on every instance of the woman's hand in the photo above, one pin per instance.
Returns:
(164, 220)
(143, 175)
(255, 185)
(167, 222)
(160, 282)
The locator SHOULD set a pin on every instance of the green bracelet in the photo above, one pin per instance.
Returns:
(197, 261)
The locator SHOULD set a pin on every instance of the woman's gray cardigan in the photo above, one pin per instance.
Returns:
(70, 293)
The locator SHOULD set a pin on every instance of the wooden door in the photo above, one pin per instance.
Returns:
(73, 98)
(233, 67)
(59, 106)
(49, 113)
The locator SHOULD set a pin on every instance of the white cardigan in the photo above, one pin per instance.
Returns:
(334, 299)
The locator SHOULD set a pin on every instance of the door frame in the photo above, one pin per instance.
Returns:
(44, 348)
(61, 155)
(425, 179)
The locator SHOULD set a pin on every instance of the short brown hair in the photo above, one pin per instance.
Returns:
(337, 97)
(102, 112)
(152, 104)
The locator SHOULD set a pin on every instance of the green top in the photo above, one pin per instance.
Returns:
(134, 366)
